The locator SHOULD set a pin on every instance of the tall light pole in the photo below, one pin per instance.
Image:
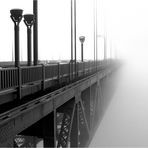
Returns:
(82, 39)
(16, 16)
(29, 20)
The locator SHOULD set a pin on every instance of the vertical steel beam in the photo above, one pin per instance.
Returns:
(48, 131)
(74, 137)
(43, 77)
(98, 102)
(29, 46)
(55, 126)
(82, 52)
(94, 106)
(19, 83)
(35, 31)
(83, 126)
(86, 103)
(17, 50)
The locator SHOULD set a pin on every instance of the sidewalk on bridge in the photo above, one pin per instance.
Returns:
(125, 123)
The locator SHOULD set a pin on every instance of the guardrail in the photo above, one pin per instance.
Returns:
(30, 74)
(17, 77)
(8, 78)
(51, 71)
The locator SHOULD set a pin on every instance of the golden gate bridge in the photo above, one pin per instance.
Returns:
(60, 104)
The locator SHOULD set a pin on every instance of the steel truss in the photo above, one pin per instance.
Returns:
(80, 118)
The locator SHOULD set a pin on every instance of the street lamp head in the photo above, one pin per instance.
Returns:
(82, 39)
(29, 19)
(16, 15)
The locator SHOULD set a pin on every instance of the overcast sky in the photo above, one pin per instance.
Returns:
(125, 22)
(128, 25)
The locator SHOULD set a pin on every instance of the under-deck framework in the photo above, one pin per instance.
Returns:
(66, 117)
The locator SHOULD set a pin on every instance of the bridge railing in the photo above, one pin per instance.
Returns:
(30, 74)
(51, 71)
(8, 78)
(64, 69)
(80, 68)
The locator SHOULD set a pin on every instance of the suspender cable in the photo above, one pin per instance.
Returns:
(75, 36)
(71, 30)
(96, 12)
(35, 31)
(94, 31)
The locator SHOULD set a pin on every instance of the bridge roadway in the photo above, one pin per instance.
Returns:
(65, 117)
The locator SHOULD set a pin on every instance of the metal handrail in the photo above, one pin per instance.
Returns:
(9, 77)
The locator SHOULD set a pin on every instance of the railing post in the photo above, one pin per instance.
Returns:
(43, 77)
(59, 73)
(0, 80)
(69, 72)
(16, 16)
(19, 83)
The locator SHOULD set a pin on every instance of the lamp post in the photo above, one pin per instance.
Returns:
(16, 16)
(82, 39)
(29, 20)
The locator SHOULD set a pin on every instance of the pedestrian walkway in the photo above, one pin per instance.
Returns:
(125, 123)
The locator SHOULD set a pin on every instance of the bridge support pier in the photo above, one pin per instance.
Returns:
(48, 131)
